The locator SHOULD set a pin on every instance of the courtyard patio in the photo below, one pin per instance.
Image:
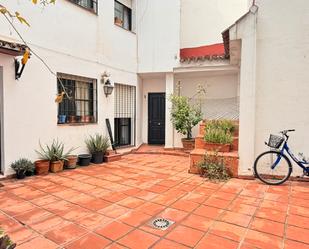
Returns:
(112, 206)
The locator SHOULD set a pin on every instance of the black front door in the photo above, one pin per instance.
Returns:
(156, 118)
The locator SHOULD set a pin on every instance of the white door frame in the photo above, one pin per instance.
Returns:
(1, 122)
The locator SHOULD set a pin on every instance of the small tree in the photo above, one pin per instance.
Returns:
(184, 115)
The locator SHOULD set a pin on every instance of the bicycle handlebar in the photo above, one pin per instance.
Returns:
(284, 132)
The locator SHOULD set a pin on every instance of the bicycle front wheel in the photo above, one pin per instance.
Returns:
(272, 168)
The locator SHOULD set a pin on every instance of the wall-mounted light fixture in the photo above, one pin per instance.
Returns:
(108, 88)
(107, 85)
(19, 67)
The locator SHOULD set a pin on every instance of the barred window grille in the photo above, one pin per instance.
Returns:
(91, 5)
(125, 113)
(81, 106)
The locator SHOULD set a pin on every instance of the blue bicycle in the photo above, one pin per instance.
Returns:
(274, 167)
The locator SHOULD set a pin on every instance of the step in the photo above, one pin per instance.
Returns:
(231, 159)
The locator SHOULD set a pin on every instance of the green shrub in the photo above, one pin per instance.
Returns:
(218, 136)
(219, 131)
(223, 124)
(54, 152)
(213, 167)
(97, 143)
(23, 165)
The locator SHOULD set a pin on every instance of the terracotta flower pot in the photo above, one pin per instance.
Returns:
(71, 162)
(72, 119)
(217, 147)
(86, 119)
(118, 21)
(56, 166)
(42, 167)
(188, 144)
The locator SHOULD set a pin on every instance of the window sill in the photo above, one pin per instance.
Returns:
(76, 124)
(130, 31)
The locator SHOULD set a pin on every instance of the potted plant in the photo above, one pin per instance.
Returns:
(97, 146)
(54, 154)
(184, 117)
(71, 162)
(218, 135)
(21, 167)
(5, 241)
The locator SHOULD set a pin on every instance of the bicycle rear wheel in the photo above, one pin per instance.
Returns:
(263, 168)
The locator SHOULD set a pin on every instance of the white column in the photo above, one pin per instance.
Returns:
(169, 130)
(247, 108)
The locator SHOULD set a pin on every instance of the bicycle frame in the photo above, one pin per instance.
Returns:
(300, 163)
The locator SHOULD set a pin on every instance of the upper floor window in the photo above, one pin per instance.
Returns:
(81, 105)
(91, 5)
(123, 16)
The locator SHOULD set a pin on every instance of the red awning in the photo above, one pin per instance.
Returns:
(203, 51)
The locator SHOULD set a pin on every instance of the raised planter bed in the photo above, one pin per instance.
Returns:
(217, 147)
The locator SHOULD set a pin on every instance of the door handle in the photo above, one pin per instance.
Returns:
(159, 124)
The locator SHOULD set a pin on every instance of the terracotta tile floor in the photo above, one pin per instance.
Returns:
(111, 205)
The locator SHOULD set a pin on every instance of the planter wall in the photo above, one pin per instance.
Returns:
(217, 147)
(42, 167)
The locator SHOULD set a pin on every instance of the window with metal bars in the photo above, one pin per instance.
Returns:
(123, 16)
(81, 105)
(125, 109)
(91, 5)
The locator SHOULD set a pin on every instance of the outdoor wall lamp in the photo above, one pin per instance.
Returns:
(19, 67)
(108, 88)
(107, 85)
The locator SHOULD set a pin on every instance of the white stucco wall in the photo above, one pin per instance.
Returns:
(282, 73)
(30, 113)
(273, 87)
(158, 25)
(203, 21)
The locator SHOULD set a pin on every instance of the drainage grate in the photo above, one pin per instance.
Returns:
(161, 223)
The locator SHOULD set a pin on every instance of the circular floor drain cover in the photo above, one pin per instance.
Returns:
(161, 223)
